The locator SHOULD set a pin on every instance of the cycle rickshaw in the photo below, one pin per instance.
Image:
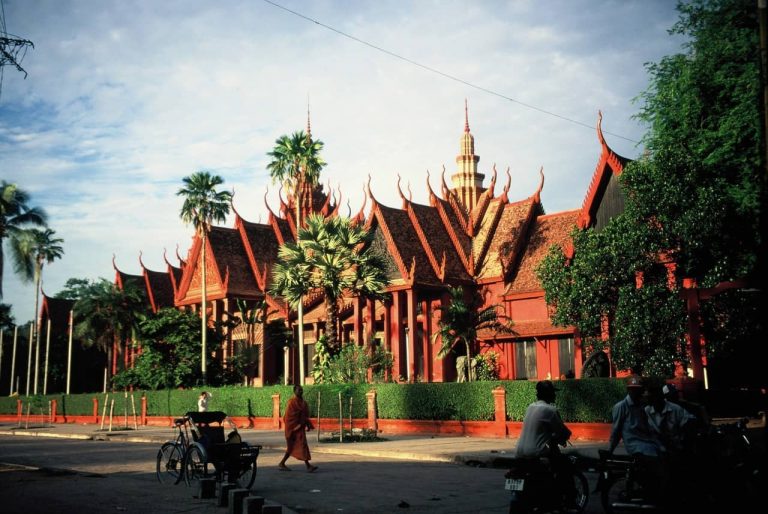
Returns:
(212, 454)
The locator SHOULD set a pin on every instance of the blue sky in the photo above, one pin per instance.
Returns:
(125, 98)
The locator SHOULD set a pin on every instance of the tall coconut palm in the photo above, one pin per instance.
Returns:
(462, 319)
(296, 162)
(32, 248)
(15, 215)
(331, 255)
(204, 205)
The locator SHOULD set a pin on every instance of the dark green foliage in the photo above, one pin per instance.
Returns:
(170, 355)
(426, 401)
(694, 199)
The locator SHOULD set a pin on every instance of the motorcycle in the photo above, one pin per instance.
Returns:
(534, 487)
(722, 471)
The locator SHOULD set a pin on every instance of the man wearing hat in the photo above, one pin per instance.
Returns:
(630, 423)
(542, 424)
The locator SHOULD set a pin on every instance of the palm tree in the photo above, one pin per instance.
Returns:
(15, 215)
(32, 248)
(204, 205)
(296, 162)
(462, 319)
(332, 255)
(107, 314)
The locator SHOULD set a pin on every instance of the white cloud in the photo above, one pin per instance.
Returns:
(125, 99)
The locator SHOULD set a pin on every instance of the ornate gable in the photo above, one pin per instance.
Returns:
(604, 198)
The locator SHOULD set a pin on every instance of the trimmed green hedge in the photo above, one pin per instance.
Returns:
(585, 400)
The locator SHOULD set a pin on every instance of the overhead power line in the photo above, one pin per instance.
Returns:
(12, 48)
(445, 75)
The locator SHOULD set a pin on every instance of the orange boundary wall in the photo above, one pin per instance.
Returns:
(499, 428)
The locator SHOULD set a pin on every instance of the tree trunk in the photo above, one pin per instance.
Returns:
(331, 325)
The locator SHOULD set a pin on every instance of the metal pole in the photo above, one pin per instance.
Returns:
(29, 357)
(69, 349)
(47, 353)
(13, 358)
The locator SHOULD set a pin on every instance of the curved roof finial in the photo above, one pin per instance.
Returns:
(446, 190)
(509, 182)
(492, 185)
(410, 193)
(114, 263)
(429, 187)
(600, 128)
(266, 203)
(370, 193)
(400, 191)
(232, 204)
(141, 262)
(537, 194)
(466, 116)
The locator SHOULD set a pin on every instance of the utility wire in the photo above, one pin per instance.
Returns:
(446, 75)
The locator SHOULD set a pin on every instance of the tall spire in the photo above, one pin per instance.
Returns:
(466, 117)
(309, 127)
(467, 182)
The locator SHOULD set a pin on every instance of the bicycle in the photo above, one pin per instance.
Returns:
(170, 457)
(231, 459)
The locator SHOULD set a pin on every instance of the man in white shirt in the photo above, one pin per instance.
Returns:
(542, 425)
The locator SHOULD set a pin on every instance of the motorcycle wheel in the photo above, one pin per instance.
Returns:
(613, 494)
(578, 502)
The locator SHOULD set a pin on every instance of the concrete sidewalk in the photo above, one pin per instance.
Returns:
(475, 451)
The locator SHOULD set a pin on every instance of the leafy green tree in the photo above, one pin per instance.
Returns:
(462, 319)
(105, 314)
(350, 365)
(204, 205)
(16, 215)
(296, 163)
(333, 256)
(32, 248)
(169, 353)
(694, 199)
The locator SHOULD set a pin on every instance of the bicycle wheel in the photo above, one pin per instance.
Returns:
(579, 494)
(614, 494)
(169, 461)
(195, 464)
(247, 473)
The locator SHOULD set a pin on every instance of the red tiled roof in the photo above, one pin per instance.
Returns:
(547, 231)
(161, 288)
(229, 252)
(504, 238)
(407, 244)
(439, 242)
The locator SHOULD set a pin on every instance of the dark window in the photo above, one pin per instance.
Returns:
(525, 359)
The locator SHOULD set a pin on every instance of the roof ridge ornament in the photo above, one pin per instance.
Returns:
(466, 116)
(508, 185)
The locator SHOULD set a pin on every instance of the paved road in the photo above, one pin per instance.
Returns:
(110, 476)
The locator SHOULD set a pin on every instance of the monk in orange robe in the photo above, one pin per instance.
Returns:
(296, 421)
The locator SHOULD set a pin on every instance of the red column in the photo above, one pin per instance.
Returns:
(54, 404)
(693, 336)
(500, 411)
(95, 410)
(373, 419)
(411, 352)
(19, 408)
(143, 410)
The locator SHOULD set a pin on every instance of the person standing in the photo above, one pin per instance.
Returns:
(202, 401)
(296, 421)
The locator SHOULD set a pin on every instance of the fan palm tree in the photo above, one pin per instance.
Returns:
(204, 205)
(32, 248)
(295, 162)
(331, 255)
(106, 313)
(462, 319)
(15, 215)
